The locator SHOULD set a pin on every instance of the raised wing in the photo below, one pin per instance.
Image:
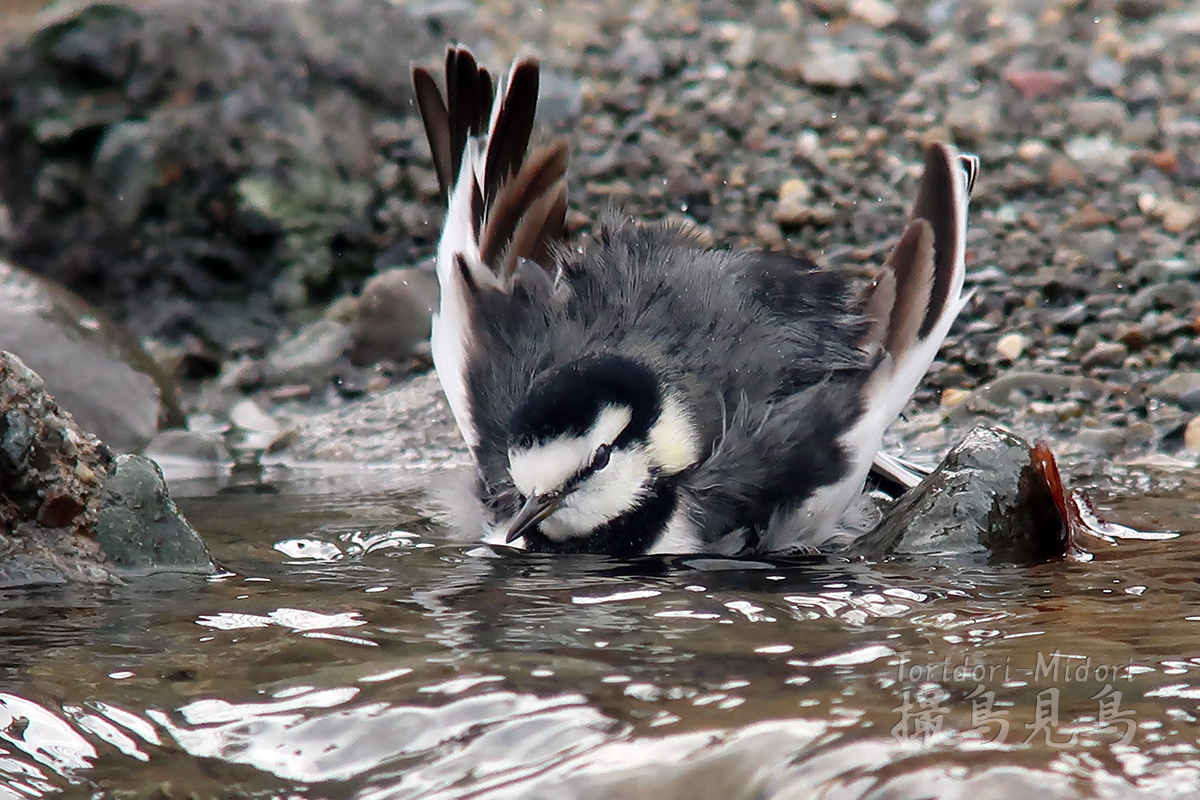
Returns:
(504, 208)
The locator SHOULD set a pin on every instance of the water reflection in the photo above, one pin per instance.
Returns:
(353, 651)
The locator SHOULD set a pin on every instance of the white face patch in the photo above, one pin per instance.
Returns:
(603, 497)
(672, 446)
(545, 468)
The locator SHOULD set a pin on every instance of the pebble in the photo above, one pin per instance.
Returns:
(1191, 435)
(952, 397)
(1105, 354)
(1176, 217)
(1033, 84)
(1096, 115)
(1178, 386)
(876, 13)
(972, 118)
(1012, 345)
(832, 67)
(1088, 217)
(1098, 151)
(794, 197)
(1105, 73)
(1064, 173)
(1033, 150)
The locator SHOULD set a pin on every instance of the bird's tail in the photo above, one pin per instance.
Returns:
(910, 308)
(502, 206)
(918, 294)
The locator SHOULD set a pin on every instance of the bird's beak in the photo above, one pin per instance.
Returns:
(536, 509)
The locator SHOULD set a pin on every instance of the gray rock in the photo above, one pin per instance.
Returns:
(139, 526)
(393, 315)
(1104, 354)
(1094, 116)
(95, 370)
(409, 428)
(309, 356)
(1178, 387)
(831, 66)
(68, 511)
(983, 499)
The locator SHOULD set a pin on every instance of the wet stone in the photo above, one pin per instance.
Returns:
(64, 501)
(139, 526)
(982, 500)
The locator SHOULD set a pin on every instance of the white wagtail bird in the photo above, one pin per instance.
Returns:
(642, 394)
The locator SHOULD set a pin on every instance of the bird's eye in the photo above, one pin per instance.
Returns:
(600, 459)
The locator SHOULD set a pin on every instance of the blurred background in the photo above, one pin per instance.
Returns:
(242, 186)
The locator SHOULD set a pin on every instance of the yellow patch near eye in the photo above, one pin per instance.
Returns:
(673, 441)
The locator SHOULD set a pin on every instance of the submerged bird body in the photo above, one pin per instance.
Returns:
(643, 394)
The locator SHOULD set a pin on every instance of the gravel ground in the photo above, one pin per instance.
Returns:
(799, 126)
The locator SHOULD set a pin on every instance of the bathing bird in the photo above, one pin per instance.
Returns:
(640, 393)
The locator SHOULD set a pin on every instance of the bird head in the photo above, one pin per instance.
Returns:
(589, 444)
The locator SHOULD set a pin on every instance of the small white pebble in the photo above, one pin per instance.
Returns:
(952, 397)
(1012, 345)
(84, 472)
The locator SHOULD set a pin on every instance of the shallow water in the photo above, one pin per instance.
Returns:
(353, 649)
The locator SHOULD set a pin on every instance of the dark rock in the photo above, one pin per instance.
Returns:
(186, 165)
(394, 314)
(68, 511)
(99, 373)
(51, 482)
(985, 498)
(139, 527)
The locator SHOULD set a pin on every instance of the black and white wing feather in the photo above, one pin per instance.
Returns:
(503, 207)
(910, 308)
